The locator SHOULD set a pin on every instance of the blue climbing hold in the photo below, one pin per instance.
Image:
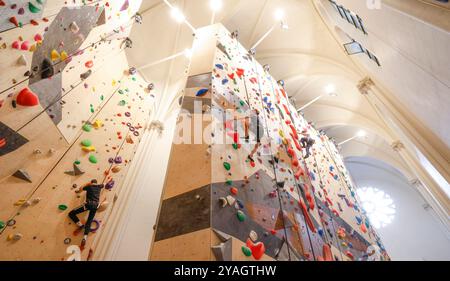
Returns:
(219, 66)
(224, 81)
(202, 92)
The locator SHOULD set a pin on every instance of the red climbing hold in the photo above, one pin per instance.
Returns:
(27, 98)
(234, 190)
(14, 21)
(257, 249)
(239, 72)
(2, 142)
(308, 219)
(327, 255)
(89, 64)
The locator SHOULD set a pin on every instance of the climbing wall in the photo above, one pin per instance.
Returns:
(71, 110)
(278, 204)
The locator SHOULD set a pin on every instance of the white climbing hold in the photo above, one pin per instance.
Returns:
(22, 60)
(223, 201)
(231, 200)
(253, 235)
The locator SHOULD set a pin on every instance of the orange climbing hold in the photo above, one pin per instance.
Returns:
(27, 98)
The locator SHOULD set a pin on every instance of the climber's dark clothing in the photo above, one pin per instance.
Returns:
(91, 205)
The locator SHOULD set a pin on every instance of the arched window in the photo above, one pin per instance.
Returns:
(378, 205)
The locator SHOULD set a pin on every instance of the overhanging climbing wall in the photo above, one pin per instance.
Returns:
(71, 110)
(277, 204)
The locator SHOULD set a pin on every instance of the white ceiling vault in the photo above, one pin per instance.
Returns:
(308, 57)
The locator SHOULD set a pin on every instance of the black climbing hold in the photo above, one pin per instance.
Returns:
(47, 69)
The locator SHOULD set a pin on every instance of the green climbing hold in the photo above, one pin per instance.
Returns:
(86, 142)
(78, 162)
(40, 2)
(240, 215)
(120, 92)
(227, 166)
(122, 102)
(235, 146)
(246, 250)
(33, 8)
(92, 159)
(229, 182)
(87, 127)
(2, 224)
(134, 78)
(62, 207)
(102, 97)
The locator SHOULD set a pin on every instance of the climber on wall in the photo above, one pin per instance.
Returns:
(92, 203)
(307, 142)
(253, 123)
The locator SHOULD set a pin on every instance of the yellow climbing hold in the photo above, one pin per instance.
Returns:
(114, 82)
(97, 124)
(32, 48)
(64, 55)
(88, 148)
(20, 202)
(54, 55)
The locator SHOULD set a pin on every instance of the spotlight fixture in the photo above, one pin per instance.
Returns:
(177, 15)
(216, 5)
(188, 53)
(279, 14)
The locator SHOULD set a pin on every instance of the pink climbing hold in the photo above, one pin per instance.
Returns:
(25, 46)
(15, 45)
(37, 37)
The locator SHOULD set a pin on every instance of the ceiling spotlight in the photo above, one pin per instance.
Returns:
(330, 89)
(361, 134)
(279, 14)
(188, 53)
(215, 5)
(177, 15)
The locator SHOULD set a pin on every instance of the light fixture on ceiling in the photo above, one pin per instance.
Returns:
(216, 5)
(330, 89)
(279, 17)
(279, 14)
(359, 134)
(178, 15)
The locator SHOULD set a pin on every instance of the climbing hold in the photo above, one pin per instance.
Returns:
(97, 124)
(253, 235)
(14, 237)
(227, 166)
(54, 55)
(73, 26)
(67, 241)
(76, 171)
(2, 224)
(25, 46)
(22, 60)
(240, 215)
(22, 174)
(47, 69)
(15, 45)
(223, 201)
(89, 64)
(115, 169)
(86, 142)
(86, 74)
(223, 251)
(14, 21)
(257, 249)
(201, 92)
(109, 185)
(34, 9)
(27, 98)
(92, 159)
(62, 207)
(88, 148)
(234, 190)
(230, 200)
(87, 127)
(64, 56)
(37, 37)
(246, 250)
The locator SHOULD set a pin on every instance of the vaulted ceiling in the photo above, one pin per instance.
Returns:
(309, 57)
